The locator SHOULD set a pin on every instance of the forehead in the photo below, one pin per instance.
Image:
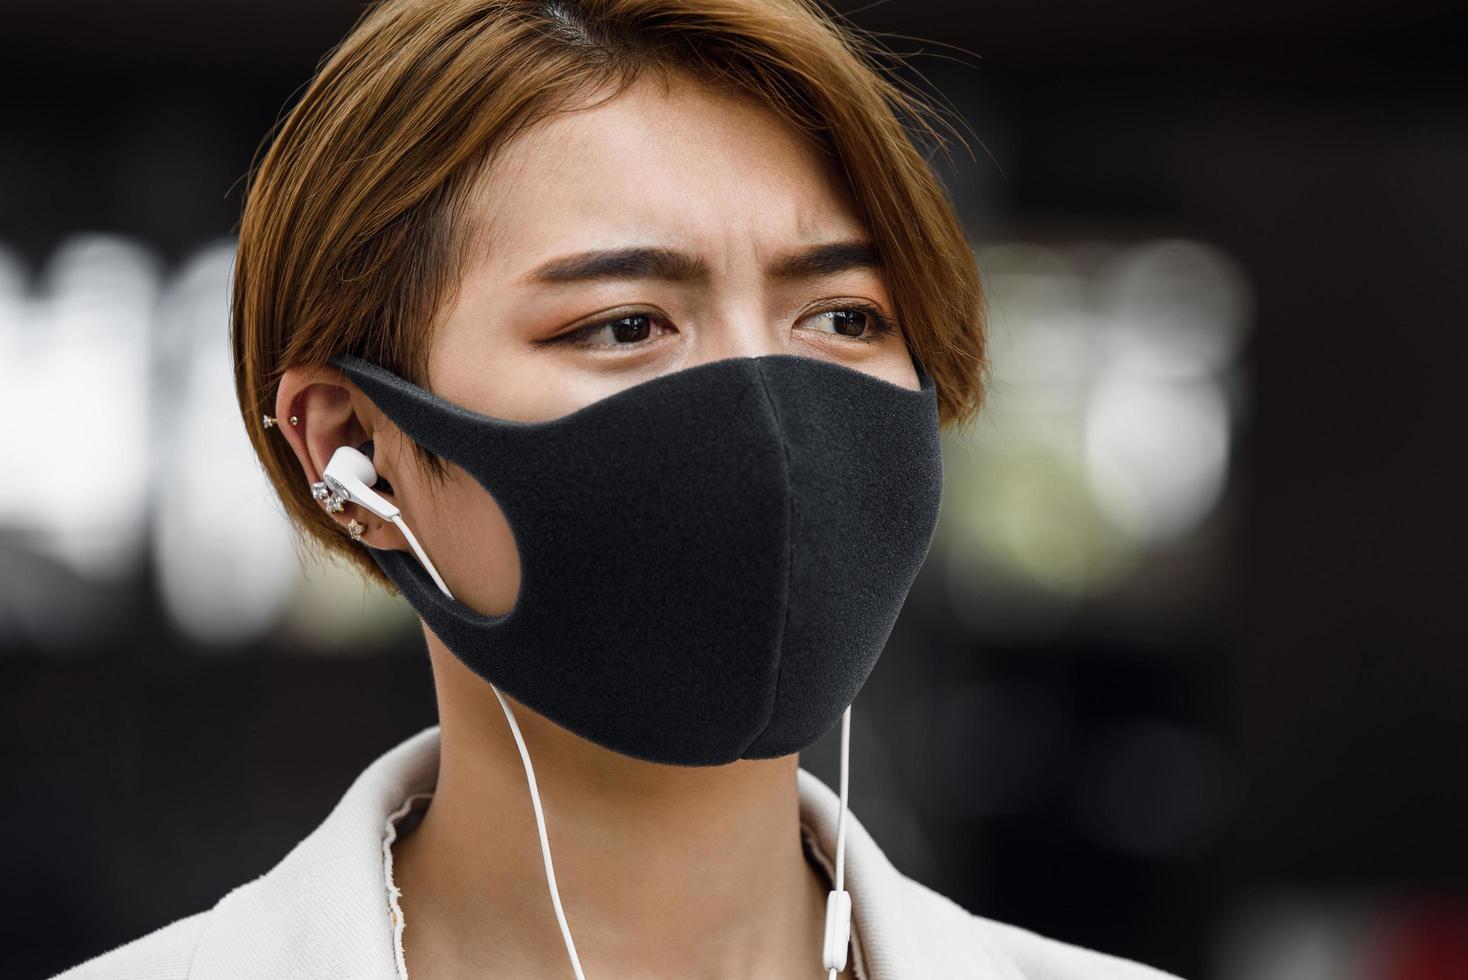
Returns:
(685, 166)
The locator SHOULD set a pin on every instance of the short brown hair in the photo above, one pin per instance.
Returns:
(354, 233)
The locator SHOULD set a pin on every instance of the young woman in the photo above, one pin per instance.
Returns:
(617, 336)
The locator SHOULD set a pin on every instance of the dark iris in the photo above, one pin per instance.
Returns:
(624, 333)
(845, 318)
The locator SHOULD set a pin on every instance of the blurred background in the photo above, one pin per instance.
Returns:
(1184, 677)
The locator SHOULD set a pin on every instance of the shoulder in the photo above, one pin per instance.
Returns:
(163, 954)
(1015, 953)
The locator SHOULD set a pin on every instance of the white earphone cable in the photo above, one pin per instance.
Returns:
(834, 972)
(422, 557)
(550, 870)
(841, 817)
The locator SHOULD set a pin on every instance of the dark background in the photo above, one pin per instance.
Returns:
(1309, 686)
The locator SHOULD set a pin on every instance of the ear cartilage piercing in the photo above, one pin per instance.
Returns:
(327, 497)
(355, 529)
(293, 420)
(270, 423)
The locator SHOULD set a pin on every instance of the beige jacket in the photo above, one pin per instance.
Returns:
(324, 911)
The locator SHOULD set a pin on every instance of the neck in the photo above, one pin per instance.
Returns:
(662, 870)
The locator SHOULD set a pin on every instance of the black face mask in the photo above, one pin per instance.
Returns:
(711, 560)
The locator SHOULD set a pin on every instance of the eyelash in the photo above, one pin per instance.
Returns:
(881, 326)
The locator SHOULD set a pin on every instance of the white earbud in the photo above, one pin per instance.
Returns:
(351, 475)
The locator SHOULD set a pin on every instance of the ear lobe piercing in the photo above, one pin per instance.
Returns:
(270, 423)
(355, 529)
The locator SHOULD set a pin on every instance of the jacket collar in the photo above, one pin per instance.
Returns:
(323, 911)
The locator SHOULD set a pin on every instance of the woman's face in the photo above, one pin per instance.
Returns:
(657, 231)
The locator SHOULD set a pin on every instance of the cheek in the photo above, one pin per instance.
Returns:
(486, 563)
(893, 363)
(905, 374)
(472, 545)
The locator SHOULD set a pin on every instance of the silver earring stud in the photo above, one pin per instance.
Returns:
(328, 498)
(267, 422)
(355, 529)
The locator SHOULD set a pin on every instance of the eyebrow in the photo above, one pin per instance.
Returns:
(653, 262)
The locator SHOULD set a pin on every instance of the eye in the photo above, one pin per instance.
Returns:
(855, 321)
(630, 330)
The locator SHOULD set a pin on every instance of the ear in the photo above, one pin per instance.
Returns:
(330, 411)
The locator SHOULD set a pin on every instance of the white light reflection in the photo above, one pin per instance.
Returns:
(225, 564)
(1172, 308)
(1304, 937)
(1106, 433)
(118, 396)
(77, 373)
(1156, 454)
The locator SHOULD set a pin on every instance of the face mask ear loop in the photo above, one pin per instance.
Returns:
(838, 902)
(550, 871)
